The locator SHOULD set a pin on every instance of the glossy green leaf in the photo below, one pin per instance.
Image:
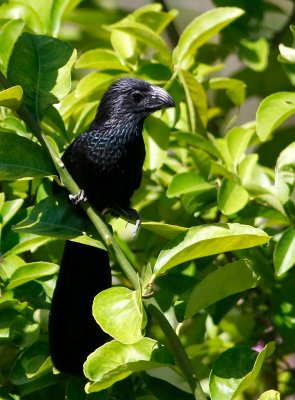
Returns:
(146, 35)
(8, 36)
(11, 98)
(273, 111)
(126, 359)
(206, 240)
(59, 10)
(234, 88)
(9, 209)
(284, 252)
(101, 59)
(235, 370)
(196, 100)
(30, 272)
(120, 313)
(161, 229)
(53, 216)
(153, 17)
(231, 197)
(28, 242)
(285, 173)
(124, 45)
(196, 140)
(231, 278)
(237, 141)
(21, 158)
(46, 79)
(247, 167)
(23, 10)
(254, 53)
(187, 182)
(23, 333)
(95, 82)
(287, 54)
(270, 395)
(201, 30)
(156, 142)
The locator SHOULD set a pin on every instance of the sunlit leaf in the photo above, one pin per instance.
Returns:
(273, 111)
(8, 36)
(101, 59)
(31, 271)
(126, 359)
(11, 98)
(284, 252)
(119, 312)
(232, 197)
(202, 241)
(234, 88)
(254, 53)
(187, 182)
(161, 229)
(201, 30)
(270, 395)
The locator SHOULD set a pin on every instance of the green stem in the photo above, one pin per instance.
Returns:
(71, 185)
(178, 350)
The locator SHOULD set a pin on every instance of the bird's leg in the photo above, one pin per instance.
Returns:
(131, 215)
(78, 198)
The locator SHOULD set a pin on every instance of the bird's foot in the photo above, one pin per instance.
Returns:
(78, 198)
(131, 215)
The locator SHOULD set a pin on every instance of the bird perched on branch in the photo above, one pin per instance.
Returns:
(106, 162)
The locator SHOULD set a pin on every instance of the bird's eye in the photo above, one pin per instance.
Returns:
(136, 96)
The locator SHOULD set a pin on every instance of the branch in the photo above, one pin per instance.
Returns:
(178, 350)
(73, 188)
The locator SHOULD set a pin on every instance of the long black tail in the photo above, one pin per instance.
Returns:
(73, 332)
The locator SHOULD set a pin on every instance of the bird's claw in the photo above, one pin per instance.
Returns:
(132, 216)
(78, 198)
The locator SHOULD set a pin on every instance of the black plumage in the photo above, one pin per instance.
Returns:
(106, 162)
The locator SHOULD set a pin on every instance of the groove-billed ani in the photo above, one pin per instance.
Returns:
(106, 162)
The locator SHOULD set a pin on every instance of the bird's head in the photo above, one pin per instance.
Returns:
(132, 99)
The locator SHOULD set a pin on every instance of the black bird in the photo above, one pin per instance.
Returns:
(106, 162)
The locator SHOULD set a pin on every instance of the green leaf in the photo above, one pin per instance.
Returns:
(187, 182)
(247, 167)
(196, 101)
(119, 312)
(30, 272)
(32, 363)
(235, 370)
(11, 98)
(196, 140)
(273, 111)
(285, 173)
(231, 278)
(53, 216)
(22, 158)
(46, 78)
(146, 35)
(201, 30)
(125, 359)
(231, 197)
(254, 53)
(284, 252)
(206, 240)
(23, 333)
(23, 10)
(156, 142)
(234, 88)
(102, 59)
(8, 36)
(95, 82)
(287, 54)
(153, 18)
(9, 209)
(237, 141)
(59, 10)
(161, 229)
(270, 395)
